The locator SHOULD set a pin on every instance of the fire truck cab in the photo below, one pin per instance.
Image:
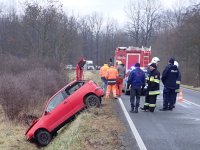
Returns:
(129, 56)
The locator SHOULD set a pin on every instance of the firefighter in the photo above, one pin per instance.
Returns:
(178, 82)
(169, 78)
(121, 75)
(153, 82)
(137, 80)
(111, 77)
(155, 60)
(102, 73)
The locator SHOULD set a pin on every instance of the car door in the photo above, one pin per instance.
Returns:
(76, 95)
(58, 110)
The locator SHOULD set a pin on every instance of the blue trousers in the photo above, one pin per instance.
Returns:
(169, 96)
(104, 84)
(135, 93)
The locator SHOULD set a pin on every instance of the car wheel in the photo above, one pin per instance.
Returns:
(43, 137)
(92, 101)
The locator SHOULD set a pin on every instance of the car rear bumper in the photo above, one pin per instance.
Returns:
(99, 91)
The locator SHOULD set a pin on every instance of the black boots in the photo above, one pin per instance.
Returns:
(143, 108)
(134, 110)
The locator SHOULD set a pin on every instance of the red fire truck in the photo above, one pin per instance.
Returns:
(131, 55)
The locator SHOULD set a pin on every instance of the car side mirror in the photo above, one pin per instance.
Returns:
(46, 112)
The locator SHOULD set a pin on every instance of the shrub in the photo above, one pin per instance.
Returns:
(24, 91)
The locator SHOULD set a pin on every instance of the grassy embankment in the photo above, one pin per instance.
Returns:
(92, 129)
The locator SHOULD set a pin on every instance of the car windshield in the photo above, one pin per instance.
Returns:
(56, 100)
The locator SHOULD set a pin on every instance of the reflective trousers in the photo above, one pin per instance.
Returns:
(150, 102)
(119, 86)
(111, 88)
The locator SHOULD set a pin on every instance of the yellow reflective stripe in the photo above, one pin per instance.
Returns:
(156, 80)
(154, 92)
(178, 82)
(151, 78)
(177, 90)
(146, 104)
(152, 105)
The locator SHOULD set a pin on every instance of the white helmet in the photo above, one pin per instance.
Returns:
(155, 60)
(176, 63)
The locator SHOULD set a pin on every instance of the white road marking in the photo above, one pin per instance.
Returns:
(186, 102)
(132, 126)
(182, 104)
(192, 103)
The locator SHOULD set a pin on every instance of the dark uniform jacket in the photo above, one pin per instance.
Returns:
(170, 76)
(153, 82)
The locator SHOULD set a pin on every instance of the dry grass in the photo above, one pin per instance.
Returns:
(12, 135)
(93, 129)
(191, 87)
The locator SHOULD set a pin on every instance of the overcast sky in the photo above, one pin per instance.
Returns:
(109, 8)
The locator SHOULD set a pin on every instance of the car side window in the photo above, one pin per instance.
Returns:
(73, 88)
(56, 100)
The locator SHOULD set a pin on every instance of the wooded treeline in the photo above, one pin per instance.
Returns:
(180, 38)
(50, 32)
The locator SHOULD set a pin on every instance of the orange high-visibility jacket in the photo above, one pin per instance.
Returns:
(103, 70)
(112, 73)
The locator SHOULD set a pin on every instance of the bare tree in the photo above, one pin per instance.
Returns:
(143, 16)
(96, 22)
(134, 25)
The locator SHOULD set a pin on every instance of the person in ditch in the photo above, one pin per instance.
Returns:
(137, 80)
(153, 88)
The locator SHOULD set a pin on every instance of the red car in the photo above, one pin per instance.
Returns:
(62, 107)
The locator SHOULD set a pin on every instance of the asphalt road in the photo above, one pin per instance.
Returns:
(171, 130)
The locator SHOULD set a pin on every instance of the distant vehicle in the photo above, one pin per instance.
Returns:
(62, 107)
(129, 56)
(98, 67)
(69, 67)
(89, 65)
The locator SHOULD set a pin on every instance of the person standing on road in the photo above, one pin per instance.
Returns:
(153, 88)
(102, 73)
(121, 75)
(178, 82)
(169, 78)
(111, 77)
(137, 80)
(154, 60)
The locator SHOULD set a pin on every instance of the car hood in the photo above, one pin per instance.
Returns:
(33, 123)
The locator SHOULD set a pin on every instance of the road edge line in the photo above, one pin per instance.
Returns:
(191, 103)
(132, 126)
